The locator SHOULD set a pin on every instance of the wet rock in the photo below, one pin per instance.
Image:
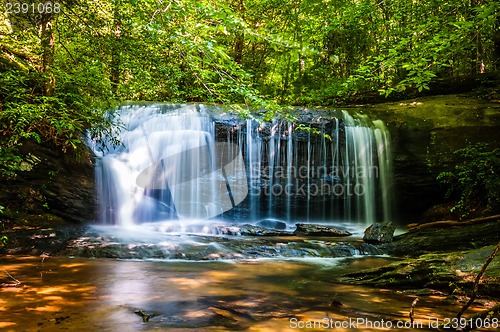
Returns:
(39, 241)
(449, 272)
(444, 239)
(423, 292)
(379, 233)
(226, 230)
(146, 316)
(319, 230)
(249, 230)
(226, 123)
(272, 223)
(52, 181)
(252, 230)
(422, 272)
(92, 243)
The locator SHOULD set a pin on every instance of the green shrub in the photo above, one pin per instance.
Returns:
(58, 120)
(475, 181)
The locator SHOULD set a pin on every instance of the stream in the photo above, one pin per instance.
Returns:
(253, 295)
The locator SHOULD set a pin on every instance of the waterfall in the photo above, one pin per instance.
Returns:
(166, 136)
(174, 164)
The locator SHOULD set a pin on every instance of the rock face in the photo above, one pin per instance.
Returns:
(424, 133)
(319, 230)
(379, 233)
(52, 182)
(226, 122)
(249, 230)
(271, 223)
(71, 195)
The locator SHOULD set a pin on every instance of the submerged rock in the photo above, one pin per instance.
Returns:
(319, 230)
(379, 233)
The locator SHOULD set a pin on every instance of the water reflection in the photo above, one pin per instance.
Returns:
(104, 295)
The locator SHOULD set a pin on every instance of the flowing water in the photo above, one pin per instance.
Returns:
(167, 169)
(259, 295)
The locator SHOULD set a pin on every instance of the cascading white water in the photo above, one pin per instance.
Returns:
(152, 134)
(367, 151)
(343, 177)
(346, 177)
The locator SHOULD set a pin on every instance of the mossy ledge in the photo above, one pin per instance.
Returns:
(439, 258)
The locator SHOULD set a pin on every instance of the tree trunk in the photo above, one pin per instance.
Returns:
(496, 45)
(286, 79)
(47, 41)
(240, 36)
(115, 53)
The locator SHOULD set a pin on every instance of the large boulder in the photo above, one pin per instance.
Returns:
(379, 233)
(319, 230)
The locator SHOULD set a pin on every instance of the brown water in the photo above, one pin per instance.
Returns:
(103, 295)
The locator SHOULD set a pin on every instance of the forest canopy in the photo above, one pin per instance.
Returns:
(65, 63)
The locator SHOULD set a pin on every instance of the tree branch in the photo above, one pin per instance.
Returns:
(412, 310)
(62, 44)
(18, 283)
(476, 282)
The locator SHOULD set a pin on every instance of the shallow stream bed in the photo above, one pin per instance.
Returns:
(79, 294)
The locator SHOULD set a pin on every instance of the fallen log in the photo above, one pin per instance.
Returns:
(453, 223)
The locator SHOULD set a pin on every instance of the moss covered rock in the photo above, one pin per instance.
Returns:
(449, 272)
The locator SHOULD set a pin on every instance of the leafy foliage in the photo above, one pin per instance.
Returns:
(62, 72)
(58, 120)
(476, 180)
